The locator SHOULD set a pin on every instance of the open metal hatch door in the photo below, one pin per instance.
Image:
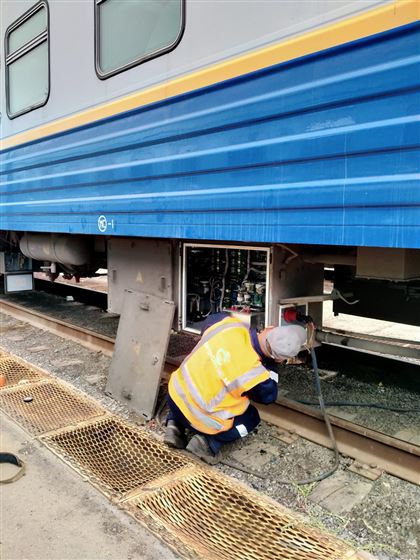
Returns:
(140, 350)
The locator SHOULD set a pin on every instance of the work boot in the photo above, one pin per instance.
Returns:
(199, 447)
(174, 436)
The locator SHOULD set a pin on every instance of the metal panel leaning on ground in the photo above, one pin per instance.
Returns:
(311, 139)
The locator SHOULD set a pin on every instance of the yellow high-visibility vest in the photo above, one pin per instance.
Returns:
(208, 387)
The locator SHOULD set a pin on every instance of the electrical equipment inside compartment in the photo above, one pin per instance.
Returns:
(224, 279)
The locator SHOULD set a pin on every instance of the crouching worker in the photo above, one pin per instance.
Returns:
(210, 392)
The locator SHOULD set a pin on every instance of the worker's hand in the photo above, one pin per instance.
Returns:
(274, 376)
(304, 318)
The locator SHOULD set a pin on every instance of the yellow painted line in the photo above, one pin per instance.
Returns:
(401, 12)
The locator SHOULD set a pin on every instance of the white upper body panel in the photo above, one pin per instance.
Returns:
(215, 30)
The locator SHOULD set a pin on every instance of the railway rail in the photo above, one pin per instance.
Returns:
(393, 349)
(373, 451)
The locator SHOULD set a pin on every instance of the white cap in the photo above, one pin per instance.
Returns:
(286, 341)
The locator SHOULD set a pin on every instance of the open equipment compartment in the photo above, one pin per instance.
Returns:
(224, 278)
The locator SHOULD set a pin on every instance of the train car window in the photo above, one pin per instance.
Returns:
(27, 61)
(128, 32)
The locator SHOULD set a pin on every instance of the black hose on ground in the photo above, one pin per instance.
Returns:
(325, 474)
(317, 384)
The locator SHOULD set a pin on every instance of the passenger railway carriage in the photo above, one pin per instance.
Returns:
(217, 153)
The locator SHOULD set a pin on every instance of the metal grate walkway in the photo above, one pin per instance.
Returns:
(193, 508)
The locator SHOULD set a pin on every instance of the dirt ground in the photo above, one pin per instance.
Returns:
(381, 517)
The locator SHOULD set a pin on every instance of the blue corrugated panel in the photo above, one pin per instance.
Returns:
(324, 149)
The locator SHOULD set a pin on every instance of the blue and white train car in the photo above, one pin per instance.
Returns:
(178, 138)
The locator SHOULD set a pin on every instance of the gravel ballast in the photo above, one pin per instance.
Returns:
(386, 522)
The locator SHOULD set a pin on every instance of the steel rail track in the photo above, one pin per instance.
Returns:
(395, 349)
(392, 349)
(369, 447)
(85, 337)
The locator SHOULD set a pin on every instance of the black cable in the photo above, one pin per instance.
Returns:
(366, 405)
(317, 383)
(322, 476)
(326, 474)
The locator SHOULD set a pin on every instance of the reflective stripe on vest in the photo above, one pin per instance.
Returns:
(186, 376)
(227, 388)
(192, 388)
(200, 405)
(220, 328)
(235, 384)
(203, 418)
(208, 407)
(244, 378)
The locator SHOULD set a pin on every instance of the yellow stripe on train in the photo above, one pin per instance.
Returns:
(396, 14)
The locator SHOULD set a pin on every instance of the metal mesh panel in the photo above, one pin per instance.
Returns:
(46, 406)
(196, 510)
(220, 520)
(16, 372)
(118, 456)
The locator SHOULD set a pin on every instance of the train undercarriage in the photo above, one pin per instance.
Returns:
(254, 282)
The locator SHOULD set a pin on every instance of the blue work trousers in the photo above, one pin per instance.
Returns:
(242, 425)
